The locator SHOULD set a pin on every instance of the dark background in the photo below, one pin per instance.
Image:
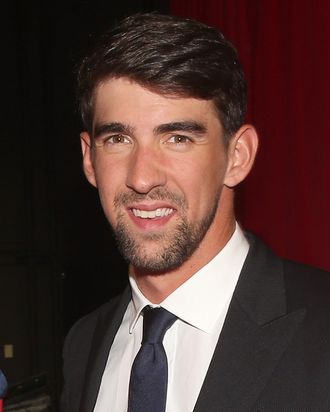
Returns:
(58, 260)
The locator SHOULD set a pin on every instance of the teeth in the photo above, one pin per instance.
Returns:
(151, 214)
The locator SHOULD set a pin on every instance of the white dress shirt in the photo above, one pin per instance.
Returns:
(201, 305)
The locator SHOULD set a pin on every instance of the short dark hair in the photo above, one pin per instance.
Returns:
(169, 55)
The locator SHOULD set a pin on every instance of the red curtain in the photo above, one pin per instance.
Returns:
(285, 49)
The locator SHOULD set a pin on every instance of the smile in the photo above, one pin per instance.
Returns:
(152, 214)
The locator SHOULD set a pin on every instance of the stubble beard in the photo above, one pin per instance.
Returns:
(174, 248)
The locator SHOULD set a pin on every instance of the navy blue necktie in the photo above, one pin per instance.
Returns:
(148, 382)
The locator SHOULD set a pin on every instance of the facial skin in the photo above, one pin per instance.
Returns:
(165, 180)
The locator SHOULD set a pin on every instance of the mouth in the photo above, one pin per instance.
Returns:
(149, 217)
(159, 212)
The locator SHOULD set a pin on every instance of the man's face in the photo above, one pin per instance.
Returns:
(159, 164)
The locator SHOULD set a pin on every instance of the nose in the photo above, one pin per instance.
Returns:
(146, 170)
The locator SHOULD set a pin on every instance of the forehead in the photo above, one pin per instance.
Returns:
(123, 100)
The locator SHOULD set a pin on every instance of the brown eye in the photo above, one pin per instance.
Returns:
(178, 138)
(116, 139)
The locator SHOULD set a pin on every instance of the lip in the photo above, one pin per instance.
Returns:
(150, 206)
(153, 223)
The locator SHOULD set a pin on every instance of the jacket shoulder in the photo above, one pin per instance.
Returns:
(306, 284)
(85, 325)
(76, 350)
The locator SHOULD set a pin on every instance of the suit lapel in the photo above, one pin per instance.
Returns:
(256, 332)
(243, 361)
(105, 331)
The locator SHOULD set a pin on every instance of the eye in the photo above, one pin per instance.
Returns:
(116, 139)
(178, 139)
(113, 143)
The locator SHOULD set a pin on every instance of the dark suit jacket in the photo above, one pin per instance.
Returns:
(273, 353)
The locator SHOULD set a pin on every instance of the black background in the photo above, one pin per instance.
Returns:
(58, 259)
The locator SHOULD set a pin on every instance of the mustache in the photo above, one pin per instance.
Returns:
(126, 198)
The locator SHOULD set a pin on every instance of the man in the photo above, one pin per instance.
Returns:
(163, 103)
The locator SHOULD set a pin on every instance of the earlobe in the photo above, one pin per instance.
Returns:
(241, 155)
(88, 165)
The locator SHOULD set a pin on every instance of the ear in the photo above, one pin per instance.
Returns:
(241, 155)
(87, 153)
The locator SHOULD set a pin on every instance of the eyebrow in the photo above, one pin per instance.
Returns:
(113, 127)
(184, 126)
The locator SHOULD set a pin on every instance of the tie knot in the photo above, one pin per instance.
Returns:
(155, 323)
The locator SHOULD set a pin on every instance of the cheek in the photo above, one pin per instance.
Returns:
(202, 173)
(109, 174)
(205, 182)
(201, 185)
(108, 179)
(106, 199)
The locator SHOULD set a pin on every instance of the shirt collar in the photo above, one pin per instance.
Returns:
(139, 302)
(201, 299)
